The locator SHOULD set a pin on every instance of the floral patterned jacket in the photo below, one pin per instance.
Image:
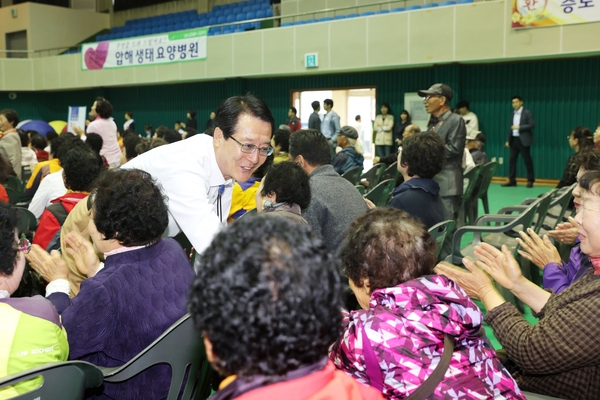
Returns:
(406, 326)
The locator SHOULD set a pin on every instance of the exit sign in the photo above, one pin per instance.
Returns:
(311, 60)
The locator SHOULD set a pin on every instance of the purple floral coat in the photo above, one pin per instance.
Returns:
(406, 326)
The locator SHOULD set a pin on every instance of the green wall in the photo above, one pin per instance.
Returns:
(562, 94)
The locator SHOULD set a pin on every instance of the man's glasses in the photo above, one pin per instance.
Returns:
(24, 245)
(250, 148)
(430, 97)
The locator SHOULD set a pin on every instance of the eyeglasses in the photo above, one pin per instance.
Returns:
(24, 245)
(250, 148)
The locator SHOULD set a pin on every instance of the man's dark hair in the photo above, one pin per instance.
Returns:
(8, 246)
(268, 297)
(281, 137)
(312, 146)
(461, 104)
(230, 111)
(148, 128)
(129, 113)
(172, 136)
(130, 141)
(289, 182)
(192, 113)
(294, 110)
(81, 166)
(589, 159)
(424, 154)
(389, 108)
(57, 144)
(24, 137)
(103, 108)
(315, 105)
(357, 118)
(129, 206)
(65, 144)
(161, 130)
(37, 141)
(389, 247)
(190, 132)
(584, 137)
(149, 144)
(516, 97)
(11, 115)
(329, 102)
(94, 141)
(51, 135)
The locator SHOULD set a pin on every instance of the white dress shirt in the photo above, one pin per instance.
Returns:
(190, 178)
(517, 121)
(51, 187)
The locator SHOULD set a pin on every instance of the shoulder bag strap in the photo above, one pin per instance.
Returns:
(373, 371)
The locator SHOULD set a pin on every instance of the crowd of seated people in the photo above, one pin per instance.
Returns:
(266, 292)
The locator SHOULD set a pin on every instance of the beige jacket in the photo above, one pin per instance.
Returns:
(383, 130)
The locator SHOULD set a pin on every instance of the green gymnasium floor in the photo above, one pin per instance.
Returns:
(499, 197)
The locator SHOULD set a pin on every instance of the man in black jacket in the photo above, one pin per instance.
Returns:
(520, 139)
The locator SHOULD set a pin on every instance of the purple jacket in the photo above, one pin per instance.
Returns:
(125, 307)
(406, 325)
(559, 276)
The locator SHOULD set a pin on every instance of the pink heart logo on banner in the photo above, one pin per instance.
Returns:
(95, 58)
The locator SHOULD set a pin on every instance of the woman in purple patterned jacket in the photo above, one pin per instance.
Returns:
(406, 312)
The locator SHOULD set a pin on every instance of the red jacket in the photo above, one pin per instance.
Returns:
(294, 123)
(3, 194)
(327, 384)
(50, 222)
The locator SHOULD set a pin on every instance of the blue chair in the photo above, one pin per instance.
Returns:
(227, 29)
(240, 17)
(384, 12)
(367, 13)
(286, 24)
(410, 8)
(310, 21)
(246, 9)
(203, 21)
(212, 21)
(325, 19)
(187, 25)
(261, 14)
(430, 5)
(255, 7)
(351, 16)
(147, 31)
(464, 1)
(300, 23)
(251, 15)
(178, 26)
(230, 18)
(339, 17)
(155, 30)
(447, 3)
(221, 20)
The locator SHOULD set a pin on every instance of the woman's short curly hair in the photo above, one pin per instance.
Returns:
(81, 167)
(289, 182)
(8, 248)
(268, 297)
(103, 108)
(129, 206)
(424, 153)
(389, 247)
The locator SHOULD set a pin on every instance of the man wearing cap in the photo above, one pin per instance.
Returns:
(520, 139)
(349, 157)
(451, 129)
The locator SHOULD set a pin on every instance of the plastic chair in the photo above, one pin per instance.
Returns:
(339, 17)
(413, 8)
(470, 180)
(16, 198)
(352, 175)
(361, 189)
(286, 24)
(353, 15)
(367, 13)
(183, 349)
(439, 232)
(390, 172)
(380, 193)
(14, 183)
(61, 381)
(372, 176)
(398, 9)
(447, 3)
(27, 221)
(384, 12)
(558, 208)
(486, 174)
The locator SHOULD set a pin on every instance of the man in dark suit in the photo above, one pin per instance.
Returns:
(520, 139)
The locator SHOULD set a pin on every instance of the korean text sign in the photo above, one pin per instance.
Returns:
(145, 50)
(536, 13)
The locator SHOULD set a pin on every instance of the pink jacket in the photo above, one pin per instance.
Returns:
(406, 326)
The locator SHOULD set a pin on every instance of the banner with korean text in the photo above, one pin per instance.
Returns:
(537, 13)
(165, 48)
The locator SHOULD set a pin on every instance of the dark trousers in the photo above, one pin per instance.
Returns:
(516, 148)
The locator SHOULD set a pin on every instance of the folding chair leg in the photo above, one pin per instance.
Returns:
(486, 206)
